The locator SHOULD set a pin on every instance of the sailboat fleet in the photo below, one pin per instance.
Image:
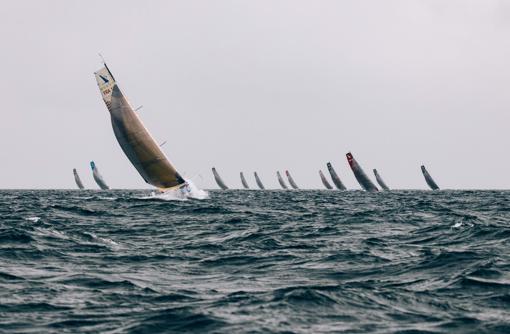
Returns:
(156, 169)
(362, 178)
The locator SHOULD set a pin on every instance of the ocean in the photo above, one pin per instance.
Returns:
(124, 261)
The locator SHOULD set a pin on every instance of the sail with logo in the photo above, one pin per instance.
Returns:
(98, 177)
(334, 176)
(360, 175)
(135, 140)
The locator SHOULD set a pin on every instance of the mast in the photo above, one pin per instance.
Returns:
(259, 183)
(98, 177)
(218, 179)
(334, 176)
(280, 180)
(380, 181)
(360, 175)
(77, 179)
(430, 181)
(135, 140)
(243, 181)
(324, 181)
(291, 180)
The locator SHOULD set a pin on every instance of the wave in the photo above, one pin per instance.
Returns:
(191, 191)
(178, 320)
(15, 236)
(259, 261)
(9, 277)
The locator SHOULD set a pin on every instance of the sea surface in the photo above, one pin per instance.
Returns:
(255, 262)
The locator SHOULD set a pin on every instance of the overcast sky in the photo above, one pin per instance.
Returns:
(260, 85)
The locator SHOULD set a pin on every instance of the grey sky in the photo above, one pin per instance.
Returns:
(260, 85)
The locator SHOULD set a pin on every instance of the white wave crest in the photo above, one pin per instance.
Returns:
(33, 219)
(52, 233)
(181, 194)
(105, 241)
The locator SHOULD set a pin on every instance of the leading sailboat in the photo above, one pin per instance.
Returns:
(135, 140)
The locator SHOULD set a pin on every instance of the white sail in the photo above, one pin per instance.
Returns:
(134, 139)
(77, 179)
(98, 177)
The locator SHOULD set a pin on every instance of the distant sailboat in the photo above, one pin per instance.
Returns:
(291, 180)
(335, 178)
(243, 181)
(135, 140)
(98, 177)
(430, 181)
(77, 179)
(360, 175)
(379, 180)
(280, 180)
(218, 179)
(259, 182)
(324, 181)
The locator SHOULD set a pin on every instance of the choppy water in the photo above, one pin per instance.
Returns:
(255, 261)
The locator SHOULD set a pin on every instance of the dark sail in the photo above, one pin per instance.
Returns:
(98, 177)
(291, 180)
(360, 175)
(430, 181)
(334, 176)
(324, 181)
(380, 180)
(218, 179)
(280, 180)
(259, 183)
(243, 181)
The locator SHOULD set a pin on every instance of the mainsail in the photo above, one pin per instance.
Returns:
(134, 139)
(360, 175)
(430, 181)
(218, 179)
(334, 176)
(243, 181)
(291, 180)
(280, 180)
(380, 180)
(77, 179)
(324, 181)
(259, 183)
(98, 177)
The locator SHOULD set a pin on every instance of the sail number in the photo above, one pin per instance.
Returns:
(106, 91)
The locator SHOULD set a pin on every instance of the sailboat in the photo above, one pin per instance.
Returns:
(219, 180)
(258, 181)
(98, 177)
(334, 176)
(291, 180)
(325, 181)
(135, 140)
(243, 181)
(280, 180)
(430, 181)
(77, 179)
(379, 180)
(360, 175)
